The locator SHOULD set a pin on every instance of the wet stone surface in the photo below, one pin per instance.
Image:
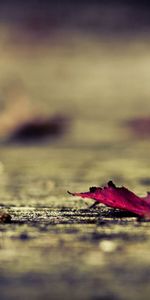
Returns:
(55, 246)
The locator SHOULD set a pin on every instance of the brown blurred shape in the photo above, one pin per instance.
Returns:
(21, 122)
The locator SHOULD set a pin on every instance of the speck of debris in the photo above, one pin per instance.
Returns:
(24, 236)
(5, 217)
(108, 246)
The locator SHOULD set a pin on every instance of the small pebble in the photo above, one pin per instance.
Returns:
(24, 236)
(5, 217)
(108, 246)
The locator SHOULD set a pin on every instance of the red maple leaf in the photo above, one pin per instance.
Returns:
(119, 197)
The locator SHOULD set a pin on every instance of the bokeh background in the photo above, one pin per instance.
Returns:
(89, 60)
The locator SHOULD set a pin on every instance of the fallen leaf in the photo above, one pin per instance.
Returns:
(38, 129)
(21, 122)
(119, 197)
(140, 127)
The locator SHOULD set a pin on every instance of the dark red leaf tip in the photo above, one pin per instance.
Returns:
(93, 189)
(111, 184)
(69, 193)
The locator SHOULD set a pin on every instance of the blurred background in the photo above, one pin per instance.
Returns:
(86, 60)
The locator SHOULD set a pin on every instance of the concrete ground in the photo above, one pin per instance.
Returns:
(56, 246)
